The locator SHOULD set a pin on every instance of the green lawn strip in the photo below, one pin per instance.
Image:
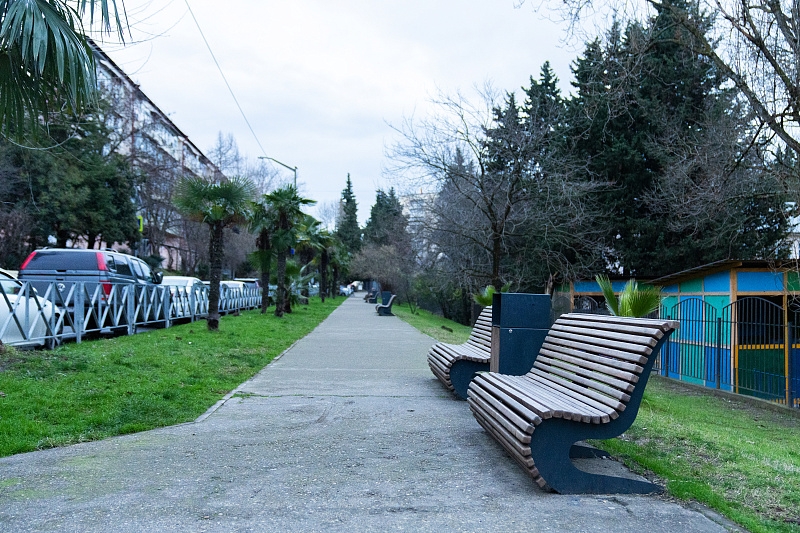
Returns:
(742, 460)
(431, 324)
(93, 390)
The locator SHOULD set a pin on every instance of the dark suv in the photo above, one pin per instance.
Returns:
(104, 274)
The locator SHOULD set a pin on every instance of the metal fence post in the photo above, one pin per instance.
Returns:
(719, 352)
(193, 304)
(167, 307)
(665, 354)
(789, 367)
(130, 307)
(78, 311)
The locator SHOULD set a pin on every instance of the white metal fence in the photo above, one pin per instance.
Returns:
(53, 313)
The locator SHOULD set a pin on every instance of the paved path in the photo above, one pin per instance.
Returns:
(340, 434)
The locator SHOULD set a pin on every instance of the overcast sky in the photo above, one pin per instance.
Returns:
(320, 81)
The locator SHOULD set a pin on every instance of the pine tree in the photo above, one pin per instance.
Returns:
(644, 102)
(347, 229)
(387, 225)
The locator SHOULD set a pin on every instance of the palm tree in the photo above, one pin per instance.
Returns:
(328, 242)
(46, 63)
(285, 204)
(262, 223)
(633, 301)
(218, 204)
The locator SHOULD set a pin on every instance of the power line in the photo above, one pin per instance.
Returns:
(264, 152)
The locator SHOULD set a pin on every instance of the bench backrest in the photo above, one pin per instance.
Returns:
(481, 335)
(596, 358)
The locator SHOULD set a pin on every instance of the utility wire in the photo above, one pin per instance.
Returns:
(264, 152)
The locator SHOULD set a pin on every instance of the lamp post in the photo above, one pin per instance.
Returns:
(294, 169)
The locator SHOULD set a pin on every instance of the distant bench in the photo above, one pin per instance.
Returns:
(456, 364)
(385, 309)
(587, 382)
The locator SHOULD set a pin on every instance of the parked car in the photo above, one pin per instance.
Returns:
(345, 290)
(183, 283)
(250, 283)
(61, 268)
(27, 324)
(181, 290)
(227, 285)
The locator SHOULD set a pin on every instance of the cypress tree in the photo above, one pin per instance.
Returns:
(347, 229)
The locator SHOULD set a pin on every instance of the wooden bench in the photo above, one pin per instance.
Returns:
(386, 309)
(456, 364)
(586, 383)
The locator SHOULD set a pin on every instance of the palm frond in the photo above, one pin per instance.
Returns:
(485, 298)
(608, 293)
(46, 63)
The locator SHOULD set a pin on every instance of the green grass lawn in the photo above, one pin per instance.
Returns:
(433, 325)
(93, 390)
(740, 458)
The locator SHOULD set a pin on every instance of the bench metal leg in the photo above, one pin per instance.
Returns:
(462, 372)
(551, 448)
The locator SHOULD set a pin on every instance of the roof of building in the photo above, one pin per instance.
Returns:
(721, 266)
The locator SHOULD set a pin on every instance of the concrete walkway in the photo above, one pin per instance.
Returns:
(348, 431)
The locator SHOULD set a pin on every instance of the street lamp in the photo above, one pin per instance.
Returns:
(294, 169)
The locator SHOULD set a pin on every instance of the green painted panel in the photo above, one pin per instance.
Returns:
(693, 285)
(761, 372)
(717, 302)
(692, 363)
(666, 305)
(793, 281)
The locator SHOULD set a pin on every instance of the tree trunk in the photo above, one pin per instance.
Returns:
(496, 255)
(335, 282)
(91, 240)
(280, 300)
(215, 253)
(264, 290)
(323, 275)
(264, 247)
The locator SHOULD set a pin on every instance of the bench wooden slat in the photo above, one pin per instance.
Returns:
(623, 355)
(604, 360)
(579, 409)
(515, 447)
(625, 383)
(504, 416)
(614, 327)
(600, 342)
(663, 325)
(533, 410)
(645, 340)
(495, 383)
(561, 405)
(579, 392)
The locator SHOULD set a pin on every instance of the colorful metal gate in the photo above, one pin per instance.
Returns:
(747, 347)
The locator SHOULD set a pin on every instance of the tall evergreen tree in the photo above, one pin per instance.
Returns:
(387, 224)
(645, 106)
(348, 229)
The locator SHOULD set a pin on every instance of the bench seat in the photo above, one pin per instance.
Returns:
(587, 382)
(476, 353)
